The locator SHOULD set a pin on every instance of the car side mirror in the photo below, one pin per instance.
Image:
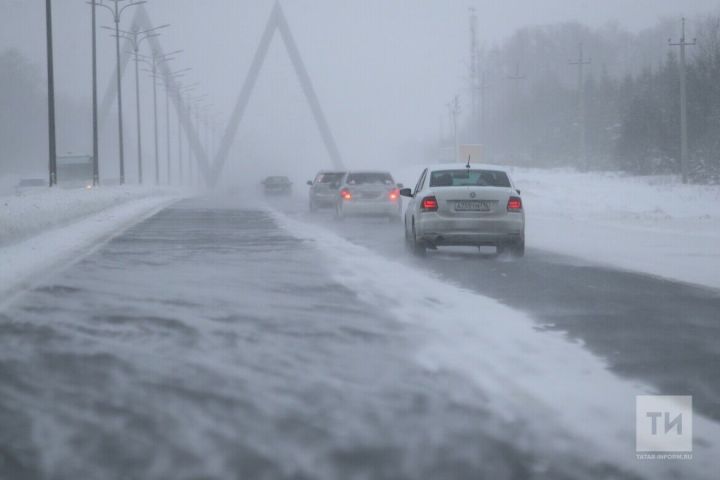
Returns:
(400, 185)
(309, 182)
(518, 192)
(406, 192)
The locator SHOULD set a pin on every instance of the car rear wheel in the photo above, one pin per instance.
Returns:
(518, 249)
(339, 214)
(418, 247)
(515, 249)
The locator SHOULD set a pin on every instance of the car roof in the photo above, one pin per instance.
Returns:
(463, 166)
(370, 171)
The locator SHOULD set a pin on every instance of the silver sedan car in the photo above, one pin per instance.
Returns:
(463, 205)
(371, 193)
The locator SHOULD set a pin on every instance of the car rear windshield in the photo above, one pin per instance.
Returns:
(277, 180)
(370, 178)
(330, 177)
(465, 178)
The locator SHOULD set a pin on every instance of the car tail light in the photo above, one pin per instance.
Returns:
(395, 194)
(429, 204)
(514, 204)
(345, 194)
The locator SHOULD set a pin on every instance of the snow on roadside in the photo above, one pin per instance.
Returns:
(566, 398)
(22, 216)
(63, 226)
(652, 225)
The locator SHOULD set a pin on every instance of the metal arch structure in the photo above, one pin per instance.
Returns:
(276, 22)
(212, 171)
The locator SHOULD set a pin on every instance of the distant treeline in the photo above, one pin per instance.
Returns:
(632, 95)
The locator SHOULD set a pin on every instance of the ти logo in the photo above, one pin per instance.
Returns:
(663, 423)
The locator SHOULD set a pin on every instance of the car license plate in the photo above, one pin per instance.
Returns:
(472, 206)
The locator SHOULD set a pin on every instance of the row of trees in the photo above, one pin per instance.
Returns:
(632, 99)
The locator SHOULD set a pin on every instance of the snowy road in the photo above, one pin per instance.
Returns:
(207, 342)
(661, 332)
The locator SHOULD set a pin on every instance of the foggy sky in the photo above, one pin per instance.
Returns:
(384, 70)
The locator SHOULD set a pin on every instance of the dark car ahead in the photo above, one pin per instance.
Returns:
(324, 189)
(277, 185)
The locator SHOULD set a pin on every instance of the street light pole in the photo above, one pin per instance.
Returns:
(119, 95)
(52, 149)
(96, 148)
(136, 37)
(117, 12)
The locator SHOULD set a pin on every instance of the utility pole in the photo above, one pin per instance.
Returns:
(96, 148)
(136, 36)
(474, 68)
(483, 88)
(117, 12)
(516, 77)
(454, 111)
(683, 102)
(52, 148)
(580, 63)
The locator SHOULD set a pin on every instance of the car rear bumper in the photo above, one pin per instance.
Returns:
(370, 208)
(329, 200)
(438, 230)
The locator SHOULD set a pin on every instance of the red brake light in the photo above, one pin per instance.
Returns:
(429, 204)
(345, 194)
(514, 204)
(395, 194)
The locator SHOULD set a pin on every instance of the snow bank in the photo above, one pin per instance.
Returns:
(27, 214)
(652, 225)
(42, 230)
(563, 396)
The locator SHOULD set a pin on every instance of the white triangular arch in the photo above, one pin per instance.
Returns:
(211, 172)
(276, 22)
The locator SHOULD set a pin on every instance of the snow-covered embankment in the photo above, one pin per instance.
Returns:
(50, 227)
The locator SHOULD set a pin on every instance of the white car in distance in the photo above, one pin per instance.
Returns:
(464, 205)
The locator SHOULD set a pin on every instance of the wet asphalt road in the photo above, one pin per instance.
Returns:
(662, 332)
(206, 343)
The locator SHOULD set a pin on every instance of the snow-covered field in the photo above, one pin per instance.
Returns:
(652, 225)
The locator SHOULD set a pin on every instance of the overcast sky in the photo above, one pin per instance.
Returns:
(383, 69)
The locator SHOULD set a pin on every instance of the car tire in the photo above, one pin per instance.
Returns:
(313, 207)
(515, 249)
(339, 214)
(418, 247)
(518, 249)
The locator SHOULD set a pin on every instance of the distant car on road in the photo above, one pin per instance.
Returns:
(462, 205)
(324, 189)
(277, 185)
(369, 193)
